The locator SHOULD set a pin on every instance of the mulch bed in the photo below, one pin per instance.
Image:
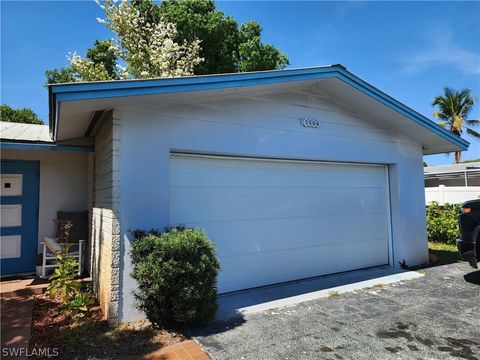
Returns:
(92, 336)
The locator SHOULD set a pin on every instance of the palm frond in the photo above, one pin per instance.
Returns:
(439, 115)
(473, 133)
(472, 122)
(453, 107)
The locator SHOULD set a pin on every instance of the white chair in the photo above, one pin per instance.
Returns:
(51, 248)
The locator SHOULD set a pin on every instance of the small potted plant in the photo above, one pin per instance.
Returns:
(38, 263)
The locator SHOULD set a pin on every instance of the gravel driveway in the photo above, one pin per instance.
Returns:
(436, 316)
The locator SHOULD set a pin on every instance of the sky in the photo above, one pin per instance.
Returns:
(410, 50)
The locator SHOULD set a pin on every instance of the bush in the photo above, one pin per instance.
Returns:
(442, 224)
(63, 282)
(176, 272)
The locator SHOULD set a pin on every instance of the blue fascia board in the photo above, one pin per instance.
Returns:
(174, 88)
(110, 89)
(11, 145)
(396, 105)
(188, 80)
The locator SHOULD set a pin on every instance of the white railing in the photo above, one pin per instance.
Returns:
(451, 194)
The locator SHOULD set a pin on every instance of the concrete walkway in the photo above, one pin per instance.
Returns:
(287, 294)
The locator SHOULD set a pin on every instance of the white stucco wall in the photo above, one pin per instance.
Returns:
(63, 184)
(262, 126)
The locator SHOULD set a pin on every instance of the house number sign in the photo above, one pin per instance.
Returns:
(311, 123)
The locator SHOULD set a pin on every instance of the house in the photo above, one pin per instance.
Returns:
(454, 183)
(38, 178)
(293, 173)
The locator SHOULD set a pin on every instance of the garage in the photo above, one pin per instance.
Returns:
(292, 174)
(279, 220)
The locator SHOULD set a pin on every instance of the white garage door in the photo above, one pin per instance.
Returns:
(274, 221)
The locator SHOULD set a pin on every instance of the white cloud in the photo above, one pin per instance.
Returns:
(443, 51)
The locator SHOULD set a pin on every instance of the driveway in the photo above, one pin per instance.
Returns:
(436, 316)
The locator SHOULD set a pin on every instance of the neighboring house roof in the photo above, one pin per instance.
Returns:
(22, 136)
(452, 168)
(76, 102)
(465, 173)
(20, 132)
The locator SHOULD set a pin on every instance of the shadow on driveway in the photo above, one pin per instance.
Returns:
(473, 278)
(435, 316)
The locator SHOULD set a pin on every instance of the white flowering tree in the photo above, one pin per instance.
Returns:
(147, 50)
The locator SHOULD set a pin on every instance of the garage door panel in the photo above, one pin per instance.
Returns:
(251, 270)
(219, 172)
(256, 203)
(274, 221)
(291, 233)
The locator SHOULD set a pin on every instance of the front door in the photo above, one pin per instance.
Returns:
(18, 216)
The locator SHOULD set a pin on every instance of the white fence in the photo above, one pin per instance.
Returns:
(451, 194)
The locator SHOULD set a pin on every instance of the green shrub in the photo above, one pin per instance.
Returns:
(442, 224)
(176, 272)
(76, 297)
(79, 304)
(63, 282)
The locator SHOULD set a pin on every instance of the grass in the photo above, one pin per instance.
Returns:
(441, 253)
(333, 293)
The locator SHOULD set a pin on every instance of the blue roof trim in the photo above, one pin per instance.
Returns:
(169, 87)
(11, 145)
(109, 89)
(396, 105)
(188, 80)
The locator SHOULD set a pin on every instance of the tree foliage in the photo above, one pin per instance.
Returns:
(103, 52)
(226, 47)
(253, 54)
(60, 75)
(453, 108)
(149, 49)
(24, 115)
(173, 38)
(146, 47)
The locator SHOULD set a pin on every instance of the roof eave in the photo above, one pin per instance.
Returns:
(109, 89)
(41, 146)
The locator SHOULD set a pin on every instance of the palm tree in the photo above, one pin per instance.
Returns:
(453, 109)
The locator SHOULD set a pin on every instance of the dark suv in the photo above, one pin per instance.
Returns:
(468, 243)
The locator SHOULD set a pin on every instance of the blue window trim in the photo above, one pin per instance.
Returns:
(59, 93)
(11, 145)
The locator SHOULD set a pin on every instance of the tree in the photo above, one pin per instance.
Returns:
(226, 48)
(453, 109)
(147, 49)
(60, 75)
(104, 52)
(187, 24)
(101, 57)
(24, 115)
(253, 54)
